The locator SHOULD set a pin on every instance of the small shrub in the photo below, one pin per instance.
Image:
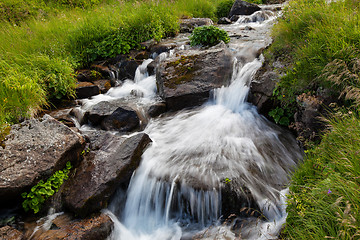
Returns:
(208, 36)
(280, 116)
(43, 190)
(224, 7)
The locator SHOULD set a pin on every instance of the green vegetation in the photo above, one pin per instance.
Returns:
(319, 43)
(42, 43)
(320, 50)
(224, 7)
(43, 190)
(280, 116)
(208, 36)
(324, 200)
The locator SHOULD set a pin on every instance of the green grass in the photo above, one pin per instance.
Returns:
(319, 43)
(311, 35)
(42, 43)
(324, 200)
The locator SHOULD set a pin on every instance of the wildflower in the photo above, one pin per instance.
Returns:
(329, 191)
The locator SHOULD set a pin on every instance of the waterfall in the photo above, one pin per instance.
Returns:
(199, 154)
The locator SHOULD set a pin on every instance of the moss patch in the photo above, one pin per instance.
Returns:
(184, 71)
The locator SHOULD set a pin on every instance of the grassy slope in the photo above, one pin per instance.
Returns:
(320, 42)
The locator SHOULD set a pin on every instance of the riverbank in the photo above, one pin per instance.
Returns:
(318, 43)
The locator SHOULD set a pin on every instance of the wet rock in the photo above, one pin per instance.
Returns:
(86, 75)
(103, 85)
(86, 90)
(161, 47)
(151, 68)
(188, 25)
(307, 119)
(10, 233)
(157, 109)
(142, 55)
(243, 8)
(99, 111)
(64, 116)
(262, 87)
(103, 172)
(248, 28)
(64, 227)
(186, 79)
(127, 69)
(34, 150)
(234, 18)
(148, 44)
(104, 70)
(224, 20)
(112, 116)
(122, 120)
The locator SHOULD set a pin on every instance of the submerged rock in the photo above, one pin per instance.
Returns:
(34, 150)
(243, 8)
(188, 25)
(102, 172)
(186, 79)
(64, 227)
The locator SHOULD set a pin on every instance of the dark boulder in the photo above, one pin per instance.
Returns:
(243, 8)
(161, 47)
(99, 111)
(86, 90)
(234, 18)
(186, 79)
(104, 70)
(188, 25)
(112, 116)
(104, 85)
(122, 120)
(157, 109)
(127, 69)
(262, 87)
(65, 227)
(34, 150)
(98, 176)
(224, 20)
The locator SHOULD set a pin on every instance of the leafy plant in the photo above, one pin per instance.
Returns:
(280, 116)
(43, 190)
(208, 36)
(223, 8)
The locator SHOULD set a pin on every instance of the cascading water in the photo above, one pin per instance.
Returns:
(199, 154)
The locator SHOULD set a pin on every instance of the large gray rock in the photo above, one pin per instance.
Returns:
(64, 227)
(101, 173)
(188, 25)
(113, 116)
(243, 8)
(34, 150)
(186, 79)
